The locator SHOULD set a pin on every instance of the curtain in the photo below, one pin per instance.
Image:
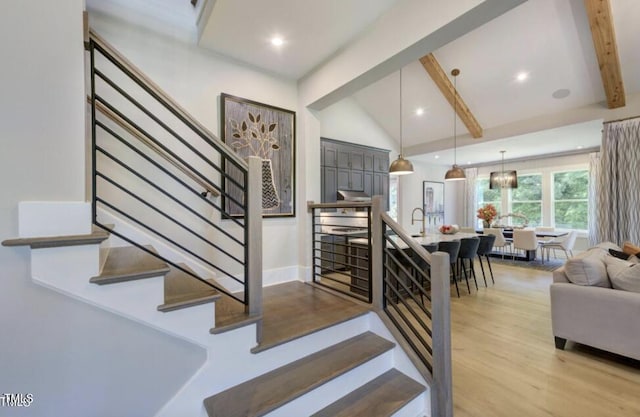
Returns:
(618, 213)
(469, 198)
(594, 215)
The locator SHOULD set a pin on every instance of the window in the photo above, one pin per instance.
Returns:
(547, 196)
(527, 198)
(486, 196)
(570, 199)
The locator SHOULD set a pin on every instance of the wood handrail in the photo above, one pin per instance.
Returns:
(416, 247)
(229, 153)
(142, 138)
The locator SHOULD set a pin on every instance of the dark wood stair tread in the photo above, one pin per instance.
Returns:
(381, 397)
(267, 392)
(129, 263)
(97, 235)
(182, 290)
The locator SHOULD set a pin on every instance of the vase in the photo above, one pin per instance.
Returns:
(269, 193)
(486, 224)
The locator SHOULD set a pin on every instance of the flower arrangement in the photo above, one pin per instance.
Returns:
(487, 213)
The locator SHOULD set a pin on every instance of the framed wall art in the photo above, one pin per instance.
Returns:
(256, 129)
(433, 202)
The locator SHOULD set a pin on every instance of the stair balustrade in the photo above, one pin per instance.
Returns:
(163, 173)
(376, 261)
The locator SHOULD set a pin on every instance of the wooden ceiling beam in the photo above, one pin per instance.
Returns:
(441, 79)
(604, 42)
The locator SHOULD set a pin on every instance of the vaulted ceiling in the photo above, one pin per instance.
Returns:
(549, 40)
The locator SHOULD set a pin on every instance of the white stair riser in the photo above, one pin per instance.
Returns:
(50, 263)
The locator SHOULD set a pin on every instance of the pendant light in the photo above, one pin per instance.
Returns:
(503, 179)
(455, 173)
(401, 166)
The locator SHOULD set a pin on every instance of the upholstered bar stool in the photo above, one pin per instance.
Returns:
(452, 248)
(484, 249)
(468, 252)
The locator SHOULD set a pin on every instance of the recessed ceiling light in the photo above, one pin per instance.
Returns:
(579, 147)
(419, 111)
(437, 156)
(277, 41)
(468, 162)
(522, 76)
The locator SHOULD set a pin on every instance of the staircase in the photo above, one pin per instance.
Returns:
(345, 369)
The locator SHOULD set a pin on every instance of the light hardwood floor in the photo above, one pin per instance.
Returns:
(505, 363)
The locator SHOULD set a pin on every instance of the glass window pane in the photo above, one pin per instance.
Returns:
(532, 210)
(529, 188)
(571, 185)
(571, 214)
(485, 195)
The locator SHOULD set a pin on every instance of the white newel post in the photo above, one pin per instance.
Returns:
(377, 252)
(254, 225)
(441, 389)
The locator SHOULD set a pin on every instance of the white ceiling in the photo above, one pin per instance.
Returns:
(313, 30)
(549, 39)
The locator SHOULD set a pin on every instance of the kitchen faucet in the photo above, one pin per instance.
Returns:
(420, 219)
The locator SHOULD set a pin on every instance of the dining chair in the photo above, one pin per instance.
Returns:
(451, 247)
(500, 242)
(484, 249)
(524, 239)
(543, 229)
(565, 243)
(468, 252)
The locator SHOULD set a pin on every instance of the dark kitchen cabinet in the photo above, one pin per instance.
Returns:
(351, 167)
(329, 184)
(349, 157)
(381, 162)
(349, 179)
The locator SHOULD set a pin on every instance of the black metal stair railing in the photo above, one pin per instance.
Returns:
(158, 169)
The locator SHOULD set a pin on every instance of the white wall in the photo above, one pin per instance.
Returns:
(411, 187)
(74, 359)
(348, 122)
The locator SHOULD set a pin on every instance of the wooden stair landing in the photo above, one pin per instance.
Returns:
(290, 311)
(267, 392)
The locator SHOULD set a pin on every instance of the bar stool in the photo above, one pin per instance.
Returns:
(431, 247)
(452, 248)
(468, 251)
(484, 249)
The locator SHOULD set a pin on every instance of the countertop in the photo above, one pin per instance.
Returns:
(427, 239)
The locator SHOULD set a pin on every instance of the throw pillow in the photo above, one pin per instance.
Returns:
(634, 259)
(588, 268)
(619, 254)
(623, 275)
(630, 249)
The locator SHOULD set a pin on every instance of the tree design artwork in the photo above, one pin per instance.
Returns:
(260, 139)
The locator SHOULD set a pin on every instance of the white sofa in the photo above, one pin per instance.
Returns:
(586, 309)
